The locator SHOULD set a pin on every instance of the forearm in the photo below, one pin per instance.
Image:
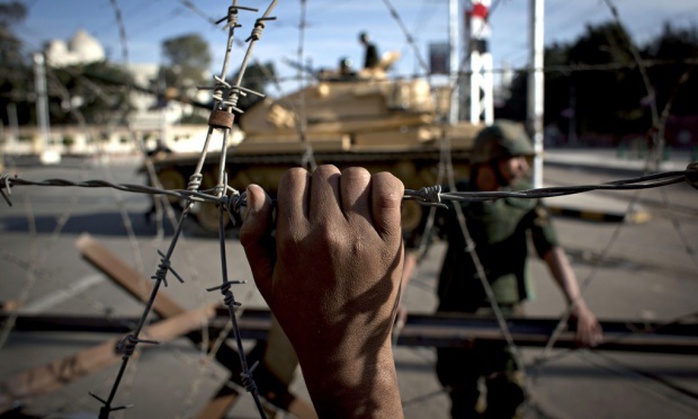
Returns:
(353, 387)
(564, 276)
(589, 331)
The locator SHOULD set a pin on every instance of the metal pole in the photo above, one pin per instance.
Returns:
(453, 60)
(42, 116)
(536, 88)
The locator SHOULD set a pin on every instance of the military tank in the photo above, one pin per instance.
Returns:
(363, 119)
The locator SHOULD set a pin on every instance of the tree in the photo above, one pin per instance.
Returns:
(15, 72)
(186, 61)
(186, 64)
(672, 52)
(98, 90)
(257, 77)
(595, 82)
(609, 98)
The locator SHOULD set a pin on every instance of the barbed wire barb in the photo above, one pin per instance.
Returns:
(231, 202)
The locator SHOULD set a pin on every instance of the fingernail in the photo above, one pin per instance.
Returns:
(252, 204)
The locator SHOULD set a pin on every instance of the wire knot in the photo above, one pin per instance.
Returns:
(248, 381)
(234, 206)
(106, 409)
(195, 182)
(228, 297)
(127, 345)
(257, 30)
(220, 83)
(232, 18)
(428, 196)
(165, 266)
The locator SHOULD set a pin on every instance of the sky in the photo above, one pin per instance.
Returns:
(332, 26)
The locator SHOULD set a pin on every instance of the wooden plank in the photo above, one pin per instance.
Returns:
(125, 276)
(301, 408)
(279, 356)
(56, 374)
(112, 266)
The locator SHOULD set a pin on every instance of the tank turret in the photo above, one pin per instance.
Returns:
(363, 119)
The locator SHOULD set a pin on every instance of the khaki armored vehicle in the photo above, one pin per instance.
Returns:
(362, 119)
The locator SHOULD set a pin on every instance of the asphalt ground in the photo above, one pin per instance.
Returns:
(631, 270)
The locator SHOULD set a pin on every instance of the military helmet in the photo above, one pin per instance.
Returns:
(501, 140)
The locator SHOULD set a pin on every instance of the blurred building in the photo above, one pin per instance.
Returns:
(82, 48)
(154, 120)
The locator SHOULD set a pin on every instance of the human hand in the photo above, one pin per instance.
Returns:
(589, 331)
(332, 279)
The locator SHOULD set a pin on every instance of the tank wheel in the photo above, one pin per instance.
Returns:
(207, 217)
(411, 215)
(172, 179)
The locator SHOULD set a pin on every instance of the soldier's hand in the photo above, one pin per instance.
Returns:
(589, 331)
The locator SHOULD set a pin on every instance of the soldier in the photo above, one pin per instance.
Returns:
(499, 229)
(371, 52)
(345, 70)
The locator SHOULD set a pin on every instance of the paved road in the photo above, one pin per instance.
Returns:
(645, 272)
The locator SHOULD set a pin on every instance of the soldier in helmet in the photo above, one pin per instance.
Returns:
(500, 230)
(371, 51)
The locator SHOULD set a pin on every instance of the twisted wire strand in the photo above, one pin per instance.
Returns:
(429, 195)
(224, 96)
(227, 96)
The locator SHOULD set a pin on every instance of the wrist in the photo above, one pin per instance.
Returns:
(354, 384)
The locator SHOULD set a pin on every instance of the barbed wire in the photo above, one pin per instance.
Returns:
(427, 196)
(231, 200)
(434, 195)
(225, 97)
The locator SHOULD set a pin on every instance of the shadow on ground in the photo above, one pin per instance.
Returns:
(102, 224)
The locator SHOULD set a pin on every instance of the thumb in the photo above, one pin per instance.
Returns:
(256, 238)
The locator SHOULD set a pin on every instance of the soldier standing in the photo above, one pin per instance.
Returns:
(500, 230)
(371, 52)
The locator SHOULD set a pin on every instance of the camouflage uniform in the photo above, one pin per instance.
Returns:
(500, 230)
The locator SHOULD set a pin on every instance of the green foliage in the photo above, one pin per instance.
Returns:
(594, 85)
(187, 60)
(674, 47)
(12, 13)
(257, 77)
(13, 65)
(99, 91)
(186, 66)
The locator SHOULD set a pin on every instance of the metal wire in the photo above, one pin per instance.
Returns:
(226, 96)
(431, 195)
(427, 196)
